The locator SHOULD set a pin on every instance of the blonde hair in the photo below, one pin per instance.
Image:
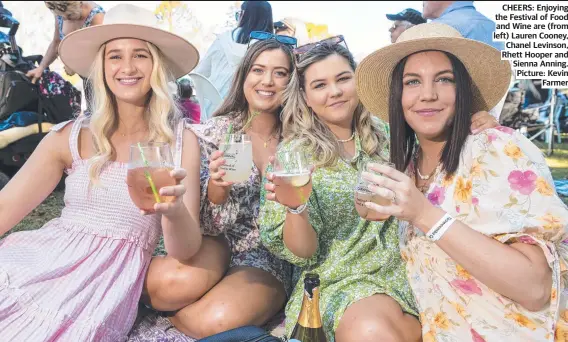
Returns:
(303, 127)
(162, 112)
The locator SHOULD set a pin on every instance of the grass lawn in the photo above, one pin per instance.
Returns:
(52, 206)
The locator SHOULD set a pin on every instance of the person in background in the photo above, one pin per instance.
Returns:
(403, 21)
(70, 16)
(190, 109)
(470, 23)
(223, 57)
(293, 28)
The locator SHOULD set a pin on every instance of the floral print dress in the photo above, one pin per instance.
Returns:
(355, 258)
(236, 218)
(502, 189)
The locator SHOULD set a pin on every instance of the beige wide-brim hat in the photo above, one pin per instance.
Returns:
(79, 48)
(490, 75)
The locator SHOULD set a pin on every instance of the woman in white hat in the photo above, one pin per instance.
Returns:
(80, 277)
(483, 231)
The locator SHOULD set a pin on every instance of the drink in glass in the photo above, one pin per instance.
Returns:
(237, 152)
(149, 170)
(364, 194)
(292, 177)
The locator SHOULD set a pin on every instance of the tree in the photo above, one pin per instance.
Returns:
(180, 19)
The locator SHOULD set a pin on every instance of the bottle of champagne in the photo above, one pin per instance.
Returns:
(308, 327)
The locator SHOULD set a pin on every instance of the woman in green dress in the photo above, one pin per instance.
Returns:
(365, 295)
(364, 292)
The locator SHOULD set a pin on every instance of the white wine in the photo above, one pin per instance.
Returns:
(363, 195)
(238, 161)
(309, 327)
(292, 189)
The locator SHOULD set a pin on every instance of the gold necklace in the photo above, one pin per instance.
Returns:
(265, 141)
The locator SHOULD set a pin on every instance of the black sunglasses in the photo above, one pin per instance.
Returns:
(331, 41)
(256, 36)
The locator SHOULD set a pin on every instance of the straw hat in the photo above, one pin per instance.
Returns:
(490, 75)
(79, 48)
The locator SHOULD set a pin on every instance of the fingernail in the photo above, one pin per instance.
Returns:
(474, 131)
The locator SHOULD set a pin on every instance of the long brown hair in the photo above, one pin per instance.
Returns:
(235, 104)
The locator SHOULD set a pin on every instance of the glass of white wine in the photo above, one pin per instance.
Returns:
(364, 194)
(237, 151)
(292, 178)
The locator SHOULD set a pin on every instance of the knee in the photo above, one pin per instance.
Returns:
(371, 329)
(217, 318)
(176, 288)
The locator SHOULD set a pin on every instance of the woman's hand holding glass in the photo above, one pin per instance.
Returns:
(407, 202)
(216, 174)
(291, 182)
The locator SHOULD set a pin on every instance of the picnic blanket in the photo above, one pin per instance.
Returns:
(152, 327)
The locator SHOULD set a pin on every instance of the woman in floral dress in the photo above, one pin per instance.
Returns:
(483, 231)
(245, 284)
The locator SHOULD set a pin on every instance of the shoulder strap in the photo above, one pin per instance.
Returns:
(74, 138)
(179, 142)
(60, 23)
(96, 10)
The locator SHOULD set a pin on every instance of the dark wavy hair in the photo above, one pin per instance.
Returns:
(256, 16)
(235, 104)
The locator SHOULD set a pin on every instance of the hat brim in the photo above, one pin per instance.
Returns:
(79, 48)
(490, 75)
(395, 17)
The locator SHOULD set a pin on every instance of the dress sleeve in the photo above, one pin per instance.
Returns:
(509, 195)
(271, 223)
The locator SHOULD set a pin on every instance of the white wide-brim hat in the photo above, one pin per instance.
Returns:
(79, 48)
(490, 75)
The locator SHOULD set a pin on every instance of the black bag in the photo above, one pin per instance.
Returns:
(249, 333)
(17, 93)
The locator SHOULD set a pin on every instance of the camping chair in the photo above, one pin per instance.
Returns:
(207, 95)
(548, 115)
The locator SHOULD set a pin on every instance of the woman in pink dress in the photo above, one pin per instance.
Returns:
(80, 277)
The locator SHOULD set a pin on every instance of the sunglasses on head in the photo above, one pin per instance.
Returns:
(331, 41)
(59, 7)
(256, 36)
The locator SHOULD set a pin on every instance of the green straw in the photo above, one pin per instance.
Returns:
(148, 177)
(229, 132)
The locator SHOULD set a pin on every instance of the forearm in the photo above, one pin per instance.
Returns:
(499, 266)
(299, 235)
(182, 236)
(50, 55)
(216, 194)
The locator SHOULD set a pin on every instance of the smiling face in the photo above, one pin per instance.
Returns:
(330, 90)
(429, 94)
(128, 67)
(266, 81)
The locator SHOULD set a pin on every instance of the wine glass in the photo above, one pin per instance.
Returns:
(149, 168)
(292, 178)
(364, 194)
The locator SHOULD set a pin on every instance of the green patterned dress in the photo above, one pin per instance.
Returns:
(355, 258)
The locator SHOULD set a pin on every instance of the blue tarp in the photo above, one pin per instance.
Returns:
(561, 187)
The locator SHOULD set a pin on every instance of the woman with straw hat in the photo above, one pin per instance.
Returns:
(80, 277)
(483, 231)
